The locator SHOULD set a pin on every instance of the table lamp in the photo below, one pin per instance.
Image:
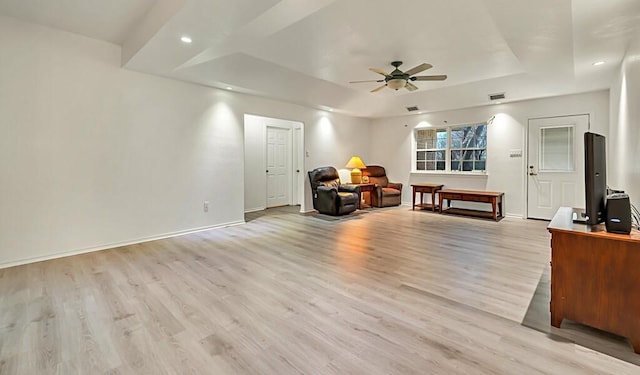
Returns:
(356, 174)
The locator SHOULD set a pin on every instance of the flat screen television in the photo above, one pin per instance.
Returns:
(595, 177)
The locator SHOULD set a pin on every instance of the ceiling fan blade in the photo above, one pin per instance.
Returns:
(378, 88)
(418, 69)
(429, 78)
(411, 87)
(371, 80)
(379, 71)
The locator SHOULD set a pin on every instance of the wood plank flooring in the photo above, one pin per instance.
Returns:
(389, 291)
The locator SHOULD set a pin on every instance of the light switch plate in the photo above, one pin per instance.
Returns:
(515, 153)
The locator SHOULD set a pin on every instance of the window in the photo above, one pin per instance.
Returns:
(456, 148)
(556, 149)
(431, 149)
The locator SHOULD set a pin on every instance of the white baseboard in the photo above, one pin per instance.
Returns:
(515, 216)
(248, 210)
(115, 244)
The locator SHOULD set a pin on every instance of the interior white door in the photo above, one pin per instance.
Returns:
(555, 164)
(278, 166)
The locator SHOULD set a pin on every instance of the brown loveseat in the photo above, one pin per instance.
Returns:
(385, 193)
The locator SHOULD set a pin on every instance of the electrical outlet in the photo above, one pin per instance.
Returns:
(206, 206)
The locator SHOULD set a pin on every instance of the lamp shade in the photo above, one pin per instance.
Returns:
(356, 174)
(355, 162)
(396, 83)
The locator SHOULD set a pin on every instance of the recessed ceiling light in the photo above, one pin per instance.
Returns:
(186, 39)
(597, 63)
(229, 88)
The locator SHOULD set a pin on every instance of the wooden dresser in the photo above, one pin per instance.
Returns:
(595, 277)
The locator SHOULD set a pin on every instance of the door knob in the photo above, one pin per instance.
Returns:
(267, 171)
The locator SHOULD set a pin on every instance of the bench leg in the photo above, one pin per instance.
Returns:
(413, 201)
(433, 201)
(493, 206)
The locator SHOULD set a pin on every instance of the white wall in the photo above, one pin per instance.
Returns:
(623, 169)
(334, 139)
(94, 156)
(392, 143)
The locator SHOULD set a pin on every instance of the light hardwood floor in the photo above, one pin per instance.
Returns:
(388, 291)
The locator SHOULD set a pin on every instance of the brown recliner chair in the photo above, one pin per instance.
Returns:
(385, 193)
(329, 196)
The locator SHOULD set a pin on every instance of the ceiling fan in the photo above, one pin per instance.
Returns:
(398, 79)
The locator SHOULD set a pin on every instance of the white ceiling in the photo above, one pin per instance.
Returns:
(306, 51)
(110, 20)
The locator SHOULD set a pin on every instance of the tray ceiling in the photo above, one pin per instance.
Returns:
(306, 51)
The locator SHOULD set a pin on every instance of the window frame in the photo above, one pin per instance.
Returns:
(427, 150)
(542, 152)
(448, 151)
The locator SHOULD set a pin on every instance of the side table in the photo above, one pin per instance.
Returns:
(428, 189)
(365, 188)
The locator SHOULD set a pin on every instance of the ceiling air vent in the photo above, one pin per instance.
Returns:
(412, 109)
(498, 96)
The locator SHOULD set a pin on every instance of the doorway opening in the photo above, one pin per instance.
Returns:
(274, 163)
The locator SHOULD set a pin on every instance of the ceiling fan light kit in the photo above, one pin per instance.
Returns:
(396, 83)
(398, 79)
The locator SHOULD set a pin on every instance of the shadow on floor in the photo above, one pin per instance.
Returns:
(275, 211)
(538, 317)
(295, 210)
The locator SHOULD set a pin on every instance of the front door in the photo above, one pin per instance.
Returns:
(278, 166)
(555, 168)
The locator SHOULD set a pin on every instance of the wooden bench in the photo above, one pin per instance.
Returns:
(493, 197)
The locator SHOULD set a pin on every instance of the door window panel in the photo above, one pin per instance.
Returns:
(557, 149)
